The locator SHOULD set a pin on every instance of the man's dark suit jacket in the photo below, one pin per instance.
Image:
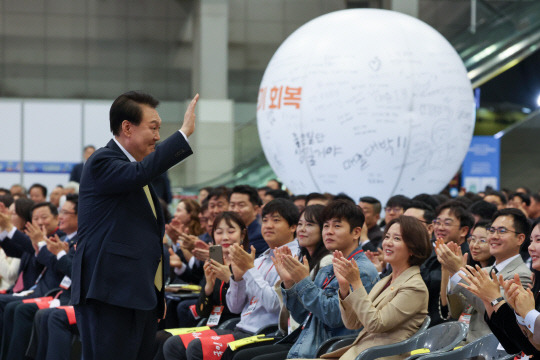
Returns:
(120, 239)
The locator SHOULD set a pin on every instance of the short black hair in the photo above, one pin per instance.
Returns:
(280, 184)
(316, 196)
(472, 196)
(41, 187)
(74, 198)
(343, 196)
(278, 194)
(4, 190)
(429, 212)
(51, 207)
(249, 191)
(458, 209)
(483, 209)
(127, 107)
(524, 197)
(220, 191)
(7, 199)
(298, 197)
(465, 200)
(399, 200)
(427, 199)
(344, 210)
(521, 224)
(285, 208)
(498, 194)
(377, 206)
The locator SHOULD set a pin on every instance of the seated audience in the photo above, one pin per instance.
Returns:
(508, 231)
(251, 288)
(245, 201)
(397, 305)
(371, 208)
(497, 198)
(395, 207)
(38, 193)
(452, 224)
(314, 303)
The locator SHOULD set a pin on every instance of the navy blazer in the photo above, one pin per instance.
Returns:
(120, 239)
(33, 266)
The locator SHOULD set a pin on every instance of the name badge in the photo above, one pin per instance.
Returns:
(215, 315)
(251, 307)
(65, 283)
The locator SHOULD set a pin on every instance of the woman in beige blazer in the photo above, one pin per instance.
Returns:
(397, 305)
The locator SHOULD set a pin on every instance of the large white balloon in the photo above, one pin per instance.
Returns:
(366, 102)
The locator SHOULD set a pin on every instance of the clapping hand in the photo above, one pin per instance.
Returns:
(520, 299)
(449, 255)
(376, 259)
(35, 233)
(347, 273)
(480, 283)
(200, 250)
(297, 270)
(241, 260)
(55, 245)
(277, 259)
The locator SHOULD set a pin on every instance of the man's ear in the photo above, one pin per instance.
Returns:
(126, 128)
(463, 231)
(356, 232)
(293, 228)
(521, 238)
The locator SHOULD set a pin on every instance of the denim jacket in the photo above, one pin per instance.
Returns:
(315, 304)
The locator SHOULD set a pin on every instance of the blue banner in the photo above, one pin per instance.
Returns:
(37, 167)
(481, 166)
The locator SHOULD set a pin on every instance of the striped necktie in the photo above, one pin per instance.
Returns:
(158, 279)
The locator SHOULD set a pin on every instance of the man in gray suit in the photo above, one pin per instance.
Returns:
(508, 231)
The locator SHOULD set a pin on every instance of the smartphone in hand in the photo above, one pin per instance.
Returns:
(216, 253)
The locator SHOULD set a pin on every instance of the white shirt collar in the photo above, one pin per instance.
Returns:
(129, 156)
(503, 264)
(70, 236)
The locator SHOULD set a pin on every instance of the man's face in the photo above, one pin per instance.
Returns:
(55, 196)
(419, 214)
(507, 245)
(534, 209)
(36, 195)
(88, 152)
(217, 205)
(369, 213)
(447, 227)
(143, 137)
(67, 218)
(392, 212)
(495, 200)
(276, 231)
(266, 199)
(515, 202)
(240, 204)
(16, 190)
(272, 184)
(203, 219)
(300, 204)
(337, 235)
(44, 219)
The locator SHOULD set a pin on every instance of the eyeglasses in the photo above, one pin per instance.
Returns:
(445, 223)
(393, 209)
(500, 230)
(63, 212)
(474, 240)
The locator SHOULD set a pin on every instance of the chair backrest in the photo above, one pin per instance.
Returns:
(484, 347)
(442, 337)
(229, 324)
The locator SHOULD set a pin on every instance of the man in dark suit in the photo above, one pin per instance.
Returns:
(117, 274)
(76, 172)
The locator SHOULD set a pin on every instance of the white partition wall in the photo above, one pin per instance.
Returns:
(41, 140)
(10, 142)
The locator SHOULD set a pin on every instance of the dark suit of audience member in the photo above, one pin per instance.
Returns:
(255, 237)
(18, 317)
(76, 172)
